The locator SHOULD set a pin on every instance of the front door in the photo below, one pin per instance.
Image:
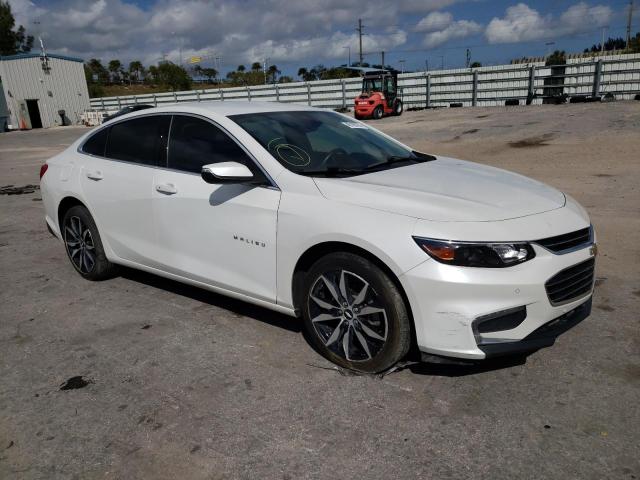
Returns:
(222, 235)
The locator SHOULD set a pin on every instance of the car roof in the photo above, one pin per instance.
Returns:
(227, 108)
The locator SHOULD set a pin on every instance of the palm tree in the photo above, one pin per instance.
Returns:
(114, 67)
(302, 73)
(256, 66)
(273, 72)
(241, 68)
(136, 69)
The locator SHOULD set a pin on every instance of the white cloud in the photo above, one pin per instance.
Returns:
(434, 21)
(441, 27)
(522, 23)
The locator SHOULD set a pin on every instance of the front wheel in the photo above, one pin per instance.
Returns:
(354, 314)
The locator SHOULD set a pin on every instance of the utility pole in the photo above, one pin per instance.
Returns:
(441, 62)
(629, 24)
(468, 57)
(426, 64)
(382, 64)
(264, 69)
(359, 30)
(401, 62)
(602, 44)
(349, 49)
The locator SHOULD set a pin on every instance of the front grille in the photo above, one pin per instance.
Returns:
(566, 241)
(571, 283)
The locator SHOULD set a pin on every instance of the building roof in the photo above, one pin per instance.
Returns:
(20, 56)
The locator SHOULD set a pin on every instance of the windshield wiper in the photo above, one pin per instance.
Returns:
(390, 161)
(331, 172)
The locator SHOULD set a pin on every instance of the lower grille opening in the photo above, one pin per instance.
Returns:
(499, 321)
(571, 283)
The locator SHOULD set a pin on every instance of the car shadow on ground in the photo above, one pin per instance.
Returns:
(464, 369)
(239, 307)
(285, 322)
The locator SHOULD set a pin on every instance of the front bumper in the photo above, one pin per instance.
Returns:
(448, 301)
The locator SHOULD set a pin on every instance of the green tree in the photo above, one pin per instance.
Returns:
(241, 68)
(256, 67)
(210, 73)
(556, 58)
(171, 76)
(97, 69)
(272, 73)
(136, 70)
(12, 41)
(115, 67)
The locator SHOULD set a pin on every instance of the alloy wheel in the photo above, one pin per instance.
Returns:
(348, 316)
(79, 243)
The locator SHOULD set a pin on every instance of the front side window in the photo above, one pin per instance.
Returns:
(325, 143)
(195, 142)
(140, 140)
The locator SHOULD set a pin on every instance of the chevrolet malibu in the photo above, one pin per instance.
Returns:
(380, 249)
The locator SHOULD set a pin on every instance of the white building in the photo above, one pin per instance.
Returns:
(35, 89)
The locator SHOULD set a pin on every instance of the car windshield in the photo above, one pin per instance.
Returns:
(325, 143)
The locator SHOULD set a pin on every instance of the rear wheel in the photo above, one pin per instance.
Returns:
(398, 108)
(354, 314)
(378, 112)
(83, 245)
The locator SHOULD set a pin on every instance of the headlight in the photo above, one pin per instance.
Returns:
(487, 255)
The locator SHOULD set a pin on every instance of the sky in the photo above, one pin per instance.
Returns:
(293, 33)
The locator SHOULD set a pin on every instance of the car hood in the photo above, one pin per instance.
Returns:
(446, 190)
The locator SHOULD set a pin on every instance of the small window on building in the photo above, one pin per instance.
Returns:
(97, 143)
(139, 140)
(195, 142)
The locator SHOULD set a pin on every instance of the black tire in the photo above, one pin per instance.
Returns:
(378, 112)
(83, 245)
(376, 341)
(398, 108)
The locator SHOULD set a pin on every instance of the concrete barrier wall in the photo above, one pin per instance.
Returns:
(484, 86)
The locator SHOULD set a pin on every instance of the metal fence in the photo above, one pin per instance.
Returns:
(535, 83)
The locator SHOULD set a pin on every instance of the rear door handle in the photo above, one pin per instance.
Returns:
(96, 175)
(167, 188)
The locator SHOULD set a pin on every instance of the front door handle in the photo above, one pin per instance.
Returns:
(96, 175)
(167, 188)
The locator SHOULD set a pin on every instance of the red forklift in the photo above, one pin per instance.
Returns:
(380, 96)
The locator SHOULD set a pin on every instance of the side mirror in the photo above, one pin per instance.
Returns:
(226, 172)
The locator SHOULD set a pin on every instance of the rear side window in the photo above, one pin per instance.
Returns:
(195, 142)
(96, 143)
(139, 140)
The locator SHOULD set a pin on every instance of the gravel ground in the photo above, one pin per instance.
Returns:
(188, 384)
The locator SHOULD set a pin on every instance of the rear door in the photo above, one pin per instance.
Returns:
(117, 181)
(223, 235)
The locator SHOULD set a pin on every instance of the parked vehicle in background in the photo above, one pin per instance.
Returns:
(381, 250)
(128, 109)
(379, 95)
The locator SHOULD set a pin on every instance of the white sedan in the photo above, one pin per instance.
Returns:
(383, 251)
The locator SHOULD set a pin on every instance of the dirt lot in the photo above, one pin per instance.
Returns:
(188, 384)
